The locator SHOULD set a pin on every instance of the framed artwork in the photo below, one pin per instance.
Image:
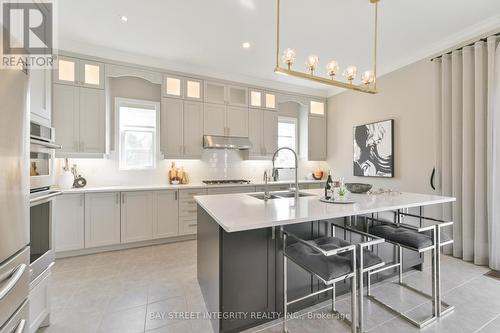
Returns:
(373, 154)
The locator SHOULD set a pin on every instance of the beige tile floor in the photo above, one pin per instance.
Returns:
(119, 291)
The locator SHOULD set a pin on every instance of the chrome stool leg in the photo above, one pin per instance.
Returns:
(285, 285)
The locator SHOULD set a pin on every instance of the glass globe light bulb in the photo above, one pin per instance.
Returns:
(350, 73)
(288, 57)
(367, 77)
(312, 63)
(332, 68)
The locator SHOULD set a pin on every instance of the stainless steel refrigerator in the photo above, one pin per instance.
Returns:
(14, 201)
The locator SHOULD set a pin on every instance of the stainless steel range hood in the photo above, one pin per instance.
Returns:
(225, 142)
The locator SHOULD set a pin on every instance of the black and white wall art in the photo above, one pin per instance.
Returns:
(374, 149)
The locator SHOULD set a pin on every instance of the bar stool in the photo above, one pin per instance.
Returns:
(367, 261)
(329, 259)
(420, 239)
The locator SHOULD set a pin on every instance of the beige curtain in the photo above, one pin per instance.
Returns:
(465, 147)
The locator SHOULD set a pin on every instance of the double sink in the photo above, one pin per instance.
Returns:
(279, 195)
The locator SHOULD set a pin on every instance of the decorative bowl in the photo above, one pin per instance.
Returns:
(318, 175)
(358, 187)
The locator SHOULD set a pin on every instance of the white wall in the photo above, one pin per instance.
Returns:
(405, 95)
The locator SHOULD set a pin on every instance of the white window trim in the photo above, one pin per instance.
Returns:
(120, 101)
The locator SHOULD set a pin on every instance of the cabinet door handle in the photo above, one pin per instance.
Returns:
(192, 225)
(273, 233)
(82, 146)
(77, 147)
(176, 195)
(123, 198)
(117, 198)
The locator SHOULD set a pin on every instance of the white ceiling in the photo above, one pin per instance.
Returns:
(204, 36)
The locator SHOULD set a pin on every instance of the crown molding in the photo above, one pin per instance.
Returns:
(78, 47)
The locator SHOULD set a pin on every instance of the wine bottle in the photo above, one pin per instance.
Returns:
(329, 186)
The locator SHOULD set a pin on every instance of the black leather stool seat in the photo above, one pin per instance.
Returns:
(402, 236)
(332, 267)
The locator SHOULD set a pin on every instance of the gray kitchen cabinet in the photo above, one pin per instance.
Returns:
(171, 127)
(252, 266)
(255, 132)
(165, 214)
(231, 189)
(182, 87)
(69, 224)
(237, 121)
(136, 216)
(92, 121)
(192, 129)
(274, 187)
(80, 119)
(102, 219)
(66, 103)
(214, 119)
(40, 96)
(79, 72)
(220, 93)
(188, 211)
(270, 132)
(223, 120)
(263, 132)
(317, 138)
(181, 128)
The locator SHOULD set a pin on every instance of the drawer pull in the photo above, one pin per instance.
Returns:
(20, 327)
(14, 279)
(192, 225)
(191, 211)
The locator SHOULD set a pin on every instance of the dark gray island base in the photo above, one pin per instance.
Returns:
(241, 274)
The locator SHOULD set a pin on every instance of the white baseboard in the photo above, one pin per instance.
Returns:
(94, 250)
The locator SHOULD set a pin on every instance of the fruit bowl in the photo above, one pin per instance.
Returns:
(358, 187)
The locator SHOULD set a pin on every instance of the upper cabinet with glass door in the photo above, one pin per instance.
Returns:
(220, 93)
(182, 87)
(262, 99)
(79, 72)
(317, 108)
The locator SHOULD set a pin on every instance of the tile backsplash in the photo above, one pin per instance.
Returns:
(214, 164)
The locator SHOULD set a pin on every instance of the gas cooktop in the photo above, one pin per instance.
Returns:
(225, 181)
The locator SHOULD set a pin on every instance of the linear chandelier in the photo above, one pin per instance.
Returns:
(368, 82)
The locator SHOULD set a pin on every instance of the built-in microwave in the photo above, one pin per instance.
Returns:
(41, 156)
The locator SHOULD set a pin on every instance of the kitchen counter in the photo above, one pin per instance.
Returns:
(240, 212)
(127, 188)
(240, 257)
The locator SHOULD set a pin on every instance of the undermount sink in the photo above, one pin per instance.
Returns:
(278, 195)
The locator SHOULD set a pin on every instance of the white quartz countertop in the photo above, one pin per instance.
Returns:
(240, 212)
(127, 188)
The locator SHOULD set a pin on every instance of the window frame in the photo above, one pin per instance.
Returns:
(137, 103)
(289, 120)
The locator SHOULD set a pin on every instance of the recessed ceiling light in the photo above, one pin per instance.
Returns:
(246, 45)
(123, 18)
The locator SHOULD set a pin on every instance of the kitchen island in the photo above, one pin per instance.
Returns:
(239, 249)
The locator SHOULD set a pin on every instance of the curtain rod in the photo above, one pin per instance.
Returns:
(483, 39)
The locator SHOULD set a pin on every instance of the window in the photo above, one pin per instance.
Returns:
(287, 137)
(317, 108)
(138, 133)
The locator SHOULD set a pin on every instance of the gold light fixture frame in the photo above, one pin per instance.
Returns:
(370, 88)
